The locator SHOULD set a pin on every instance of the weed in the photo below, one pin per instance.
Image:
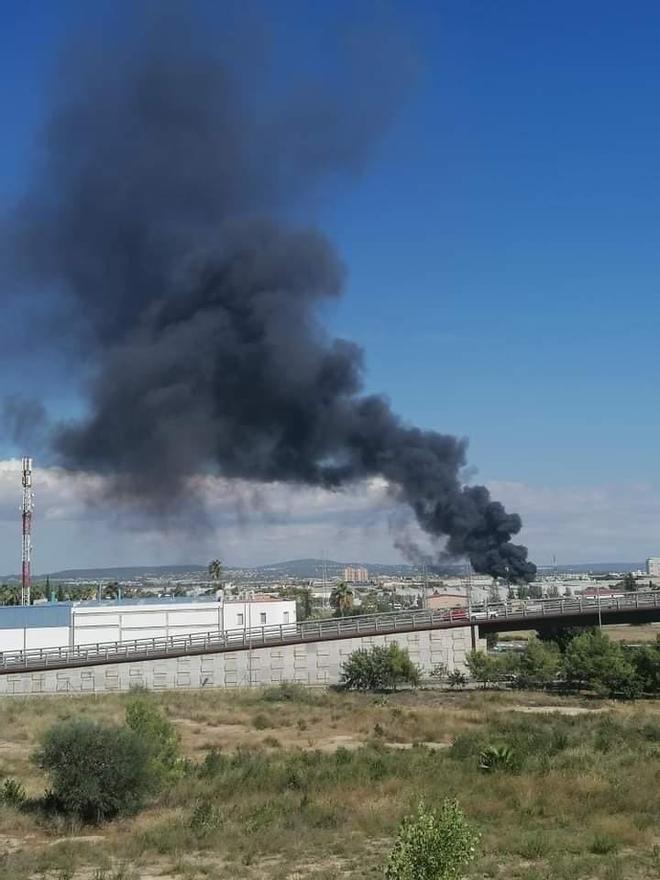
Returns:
(603, 844)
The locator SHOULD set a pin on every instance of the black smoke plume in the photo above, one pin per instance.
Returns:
(161, 218)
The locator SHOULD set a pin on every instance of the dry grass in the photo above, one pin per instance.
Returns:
(314, 787)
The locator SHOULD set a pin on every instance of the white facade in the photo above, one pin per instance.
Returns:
(120, 621)
(27, 637)
(653, 566)
(124, 622)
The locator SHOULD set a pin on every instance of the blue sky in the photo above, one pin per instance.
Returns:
(502, 243)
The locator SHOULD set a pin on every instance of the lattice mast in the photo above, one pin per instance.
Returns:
(26, 521)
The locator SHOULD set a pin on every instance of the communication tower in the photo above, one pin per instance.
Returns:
(26, 521)
(468, 582)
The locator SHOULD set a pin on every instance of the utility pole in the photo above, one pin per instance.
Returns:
(325, 578)
(250, 604)
(26, 527)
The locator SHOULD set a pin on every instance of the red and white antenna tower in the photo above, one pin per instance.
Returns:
(26, 518)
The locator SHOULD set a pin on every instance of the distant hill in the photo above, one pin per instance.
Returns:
(295, 568)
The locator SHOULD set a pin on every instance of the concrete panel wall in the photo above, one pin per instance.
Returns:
(318, 663)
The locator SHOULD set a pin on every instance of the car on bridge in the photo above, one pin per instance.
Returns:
(486, 613)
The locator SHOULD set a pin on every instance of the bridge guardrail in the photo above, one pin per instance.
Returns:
(311, 631)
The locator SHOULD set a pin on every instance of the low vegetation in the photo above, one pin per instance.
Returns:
(558, 788)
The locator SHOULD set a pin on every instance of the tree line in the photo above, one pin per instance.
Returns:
(573, 658)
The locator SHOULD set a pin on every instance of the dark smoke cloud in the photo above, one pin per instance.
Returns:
(24, 422)
(162, 216)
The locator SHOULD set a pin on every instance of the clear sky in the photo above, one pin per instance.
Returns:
(501, 245)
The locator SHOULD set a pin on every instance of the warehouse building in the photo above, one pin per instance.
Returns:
(63, 624)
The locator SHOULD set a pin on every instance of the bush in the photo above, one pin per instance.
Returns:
(205, 817)
(561, 636)
(95, 772)
(593, 660)
(482, 667)
(646, 662)
(457, 679)
(381, 668)
(433, 845)
(289, 692)
(12, 793)
(539, 665)
(160, 738)
(497, 758)
(603, 844)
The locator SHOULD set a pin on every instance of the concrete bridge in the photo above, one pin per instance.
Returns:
(311, 653)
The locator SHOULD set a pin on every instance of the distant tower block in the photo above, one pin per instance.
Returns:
(26, 521)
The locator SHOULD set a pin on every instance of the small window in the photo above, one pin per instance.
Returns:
(240, 619)
(262, 617)
(286, 617)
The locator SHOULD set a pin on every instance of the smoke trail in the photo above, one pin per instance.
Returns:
(23, 421)
(162, 215)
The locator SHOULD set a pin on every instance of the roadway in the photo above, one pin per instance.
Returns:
(641, 607)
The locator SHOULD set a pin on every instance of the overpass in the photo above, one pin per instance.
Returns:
(641, 607)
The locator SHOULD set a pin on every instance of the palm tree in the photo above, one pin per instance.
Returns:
(341, 599)
(215, 571)
(111, 590)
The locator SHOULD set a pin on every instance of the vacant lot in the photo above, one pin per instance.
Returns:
(296, 784)
(632, 635)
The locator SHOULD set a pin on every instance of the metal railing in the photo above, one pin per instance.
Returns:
(217, 641)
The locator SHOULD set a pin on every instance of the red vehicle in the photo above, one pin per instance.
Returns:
(458, 614)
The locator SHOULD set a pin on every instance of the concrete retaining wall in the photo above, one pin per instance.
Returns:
(318, 663)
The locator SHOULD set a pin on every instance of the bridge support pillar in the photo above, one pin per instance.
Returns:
(473, 637)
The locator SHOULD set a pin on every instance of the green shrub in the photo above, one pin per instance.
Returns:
(457, 679)
(289, 692)
(561, 636)
(159, 737)
(261, 722)
(483, 668)
(593, 660)
(95, 772)
(213, 764)
(205, 818)
(646, 662)
(380, 668)
(603, 844)
(12, 793)
(433, 845)
(538, 665)
(494, 758)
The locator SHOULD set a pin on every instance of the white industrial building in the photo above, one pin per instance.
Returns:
(63, 624)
